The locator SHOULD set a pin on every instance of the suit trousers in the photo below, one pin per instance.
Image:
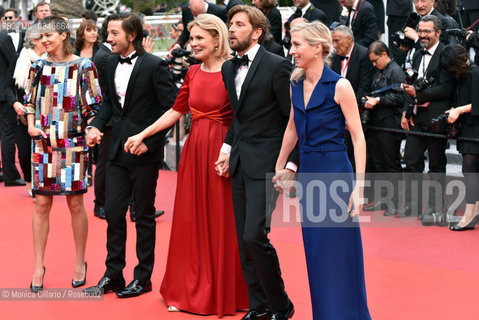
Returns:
(414, 159)
(384, 148)
(254, 201)
(101, 164)
(123, 180)
(10, 172)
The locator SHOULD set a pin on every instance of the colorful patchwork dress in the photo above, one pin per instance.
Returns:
(62, 96)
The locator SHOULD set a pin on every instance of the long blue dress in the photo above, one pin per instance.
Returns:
(332, 240)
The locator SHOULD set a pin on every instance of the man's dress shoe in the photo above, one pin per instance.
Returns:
(256, 315)
(134, 289)
(376, 206)
(99, 211)
(158, 213)
(404, 212)
(284, 314)
(15, 183)
(105, 285)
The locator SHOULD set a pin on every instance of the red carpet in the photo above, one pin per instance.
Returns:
(412, 272)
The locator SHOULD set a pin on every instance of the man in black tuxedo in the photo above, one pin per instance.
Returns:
(258, 87)
(307, 10)
(8, 59)
(15, 31)
(423, 106)
(140, 90)
(362, 21)
(352, 62)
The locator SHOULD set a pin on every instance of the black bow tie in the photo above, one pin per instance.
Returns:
(11, 30)
(238, 62)
(343, 58)
(127, 59)
(298, 12)
(425, 52)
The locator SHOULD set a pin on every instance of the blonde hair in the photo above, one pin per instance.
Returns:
(314, 32)
(217, 29)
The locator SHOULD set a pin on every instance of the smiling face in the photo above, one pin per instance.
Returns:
(53, 42)
(303, 52)
(202, 43)
(428, 36)
(121, 43)
(241, 33)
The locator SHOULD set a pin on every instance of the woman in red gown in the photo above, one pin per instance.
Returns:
(203, 272)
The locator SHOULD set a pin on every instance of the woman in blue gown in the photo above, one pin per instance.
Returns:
(322, 104)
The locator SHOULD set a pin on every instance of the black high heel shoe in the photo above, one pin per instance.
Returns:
(470, 226)
(37, 289)
(76, 284)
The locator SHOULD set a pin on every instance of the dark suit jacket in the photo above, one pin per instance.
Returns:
(151, 92)
(470, 4)
(331, 8)
(261, 113)
(99, 59)
(360, 71)
(274, 18)
(96, 47)
(365, 27)
(273, 47)
(312, 14)
(21, 40)
(441, 94)
(399, 8)
(187, 16)
(8, 58)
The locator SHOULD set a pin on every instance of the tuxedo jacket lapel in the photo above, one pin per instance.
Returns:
(131, 82)
(353, 62)
(250, 74)
(230, 83)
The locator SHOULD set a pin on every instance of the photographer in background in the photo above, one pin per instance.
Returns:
(385, 105)
(466, 112)
(427, 99)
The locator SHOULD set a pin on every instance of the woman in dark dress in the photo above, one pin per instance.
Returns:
(87, 41)
(456, 60)
(322, 104)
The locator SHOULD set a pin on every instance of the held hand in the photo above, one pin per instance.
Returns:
(93, 137)
(133, 143)
(411, 33)
(356, 200)
(454, 113)
(283, 180)
(148, 44)
(409, 89)
(35, 132)
(222, 164)
(370, 103)
(142, 148)
(19, 108)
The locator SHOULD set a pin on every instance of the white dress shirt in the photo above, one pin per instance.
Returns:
(421, 73)
(122, 77)
(15, 39)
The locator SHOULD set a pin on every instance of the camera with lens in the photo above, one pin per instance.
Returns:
(399, 37)
(365, 114)
(176, 61)
(435, 218)
(440, 125)
(459, 34)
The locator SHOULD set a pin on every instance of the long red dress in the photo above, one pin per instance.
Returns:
(203, 272)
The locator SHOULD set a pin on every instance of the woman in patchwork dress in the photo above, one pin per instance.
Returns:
(62, 96)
